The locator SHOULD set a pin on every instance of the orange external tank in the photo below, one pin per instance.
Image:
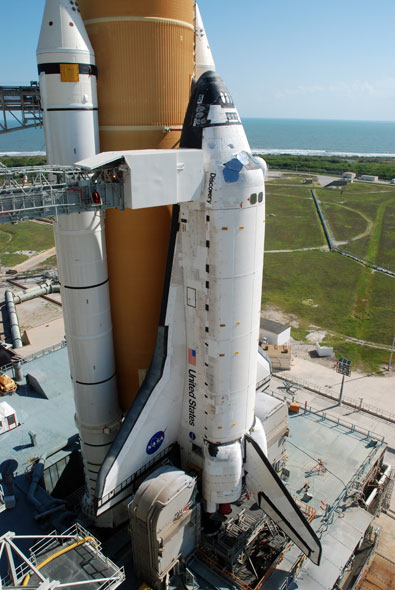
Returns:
(145, 58)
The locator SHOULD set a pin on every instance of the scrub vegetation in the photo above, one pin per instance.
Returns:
(326, 290)
(292, 219)
(20, 241)
(51, 261)
(381, 167)
(11, 161)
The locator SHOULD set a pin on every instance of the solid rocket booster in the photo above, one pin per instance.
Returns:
(200, 389)
(204, 60)
(144, 52)
(67, 70)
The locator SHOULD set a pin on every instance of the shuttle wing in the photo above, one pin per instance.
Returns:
(152, 423)
(275, 500)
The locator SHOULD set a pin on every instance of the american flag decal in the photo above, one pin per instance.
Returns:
(192, 356)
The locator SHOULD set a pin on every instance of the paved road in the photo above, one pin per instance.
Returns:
(323, 179)
(34, 260)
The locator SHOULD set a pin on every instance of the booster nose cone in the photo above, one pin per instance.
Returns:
(204, 60)
(210, 105)
(63, 37)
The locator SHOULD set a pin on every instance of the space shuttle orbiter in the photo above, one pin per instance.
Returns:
(200, 388)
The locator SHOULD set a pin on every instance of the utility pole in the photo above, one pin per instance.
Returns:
(391, 353)
(343, 367)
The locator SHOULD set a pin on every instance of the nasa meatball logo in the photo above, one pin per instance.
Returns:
(192, 436)
(155, 442)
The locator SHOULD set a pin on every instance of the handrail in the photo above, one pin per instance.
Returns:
(336, 419)
(358, 404)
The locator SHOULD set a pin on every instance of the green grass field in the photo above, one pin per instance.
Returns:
(22, 237)
(288, 218)
(51, 261)
(324, 289)
(344, 222)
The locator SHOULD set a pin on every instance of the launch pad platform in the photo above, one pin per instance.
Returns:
(327, 469)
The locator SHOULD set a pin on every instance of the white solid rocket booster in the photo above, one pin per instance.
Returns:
(204, 60)
(66, 65)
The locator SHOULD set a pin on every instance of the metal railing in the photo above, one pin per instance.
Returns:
(52, 543)
(358, 404)
(44, 351)
(369, 434)
(11, 368)
(35, 192)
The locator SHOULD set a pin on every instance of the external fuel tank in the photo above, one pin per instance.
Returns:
(145, 58)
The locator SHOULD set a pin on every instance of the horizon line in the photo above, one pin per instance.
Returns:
(319, 119)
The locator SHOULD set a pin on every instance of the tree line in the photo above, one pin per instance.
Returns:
(333, 165)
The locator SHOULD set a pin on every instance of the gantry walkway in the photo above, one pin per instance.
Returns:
(20, 107)
(48, 191)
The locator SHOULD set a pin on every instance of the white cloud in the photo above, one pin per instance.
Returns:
(380, 89)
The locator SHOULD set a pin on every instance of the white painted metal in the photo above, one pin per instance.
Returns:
(153, 178)
(222, 474)
(273, 415)
(227, 276)
(159, 421)
(8, 419)
(276, 501)
(164, 523)
(71, 131)
(217, 397)
(204, 60)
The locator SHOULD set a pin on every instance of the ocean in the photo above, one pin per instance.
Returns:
(271, 136)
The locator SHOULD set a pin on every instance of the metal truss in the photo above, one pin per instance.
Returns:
(25, 570)
(20, 105)
(48, 191)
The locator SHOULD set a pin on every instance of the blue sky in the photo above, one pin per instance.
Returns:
(329, 59)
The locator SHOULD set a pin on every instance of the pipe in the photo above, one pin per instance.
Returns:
(44, 289)
(11, 299)
(14, 323)
(18, 371)
(36, 476)
(380, 483)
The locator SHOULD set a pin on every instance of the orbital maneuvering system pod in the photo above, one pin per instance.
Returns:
(199, 392)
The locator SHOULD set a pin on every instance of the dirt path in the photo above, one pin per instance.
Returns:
(323, 248)
(359, 341)
(369, 223)
(34, 260)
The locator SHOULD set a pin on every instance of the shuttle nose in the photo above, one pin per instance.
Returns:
(210, 105)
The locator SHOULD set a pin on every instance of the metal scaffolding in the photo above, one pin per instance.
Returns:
(73, 558)
(48, 191)
(21, 106)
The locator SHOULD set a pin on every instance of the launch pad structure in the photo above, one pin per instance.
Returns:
(335, 508)
(20, 105)
(189, 472)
